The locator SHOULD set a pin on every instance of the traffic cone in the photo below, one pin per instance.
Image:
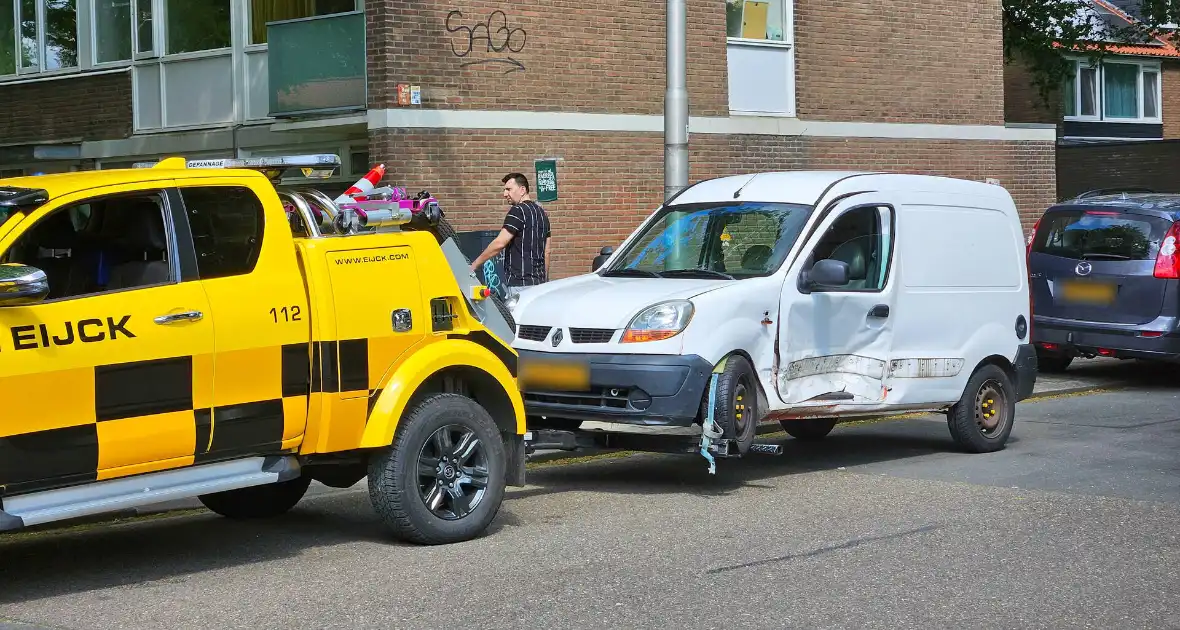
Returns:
(363, 185)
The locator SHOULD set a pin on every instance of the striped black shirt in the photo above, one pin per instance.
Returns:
(524, 258)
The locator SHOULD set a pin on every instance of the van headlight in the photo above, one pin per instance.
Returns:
(659, 321)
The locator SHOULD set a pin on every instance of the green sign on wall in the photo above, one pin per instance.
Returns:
(546, 180)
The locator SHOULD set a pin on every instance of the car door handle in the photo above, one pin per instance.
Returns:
(880, 310)
(189, 316)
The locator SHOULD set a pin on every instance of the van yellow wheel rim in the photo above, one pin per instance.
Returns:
(991, 409)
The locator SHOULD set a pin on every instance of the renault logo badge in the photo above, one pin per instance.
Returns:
(1083, 268)
(557, 337)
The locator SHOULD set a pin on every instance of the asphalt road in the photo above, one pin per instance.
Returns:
(1074, 525)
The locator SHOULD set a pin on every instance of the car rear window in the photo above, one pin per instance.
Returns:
(1099, 235)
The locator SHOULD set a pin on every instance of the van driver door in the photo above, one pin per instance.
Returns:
(837, 304)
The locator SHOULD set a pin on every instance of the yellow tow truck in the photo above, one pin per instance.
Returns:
(194, 329)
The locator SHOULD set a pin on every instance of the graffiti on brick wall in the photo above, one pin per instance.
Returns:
(503, 38)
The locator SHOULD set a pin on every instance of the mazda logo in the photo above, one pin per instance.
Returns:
(557, 337)
(1083, 268)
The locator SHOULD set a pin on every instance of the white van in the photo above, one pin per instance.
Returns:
(813, 297)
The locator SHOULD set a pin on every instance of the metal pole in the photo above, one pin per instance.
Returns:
(676, 102)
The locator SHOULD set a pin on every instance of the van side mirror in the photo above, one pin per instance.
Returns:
(21, 284)
(600, 259)
(827, 272)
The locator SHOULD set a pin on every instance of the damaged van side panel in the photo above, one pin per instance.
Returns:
(948, 296)
(835, 341)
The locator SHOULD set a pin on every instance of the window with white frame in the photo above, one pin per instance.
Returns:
(1114, 91)
(193, 62)
(43, 35)
(760, 47)
(38, 36)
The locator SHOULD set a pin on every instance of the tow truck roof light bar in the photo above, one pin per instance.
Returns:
(311, 166)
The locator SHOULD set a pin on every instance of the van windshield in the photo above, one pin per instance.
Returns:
(722, 240)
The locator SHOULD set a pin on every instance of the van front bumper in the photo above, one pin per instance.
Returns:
(653, 390)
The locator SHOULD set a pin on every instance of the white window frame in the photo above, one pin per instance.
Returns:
(40, 71)
(92, 36)
(787, 45)
(1144, 65)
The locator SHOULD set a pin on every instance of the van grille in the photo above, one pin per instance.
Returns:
(533, 333)
(597, 397)
(591, 335)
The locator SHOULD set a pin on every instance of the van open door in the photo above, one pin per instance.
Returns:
(835, 331)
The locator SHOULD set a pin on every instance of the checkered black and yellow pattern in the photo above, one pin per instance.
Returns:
(120, 419)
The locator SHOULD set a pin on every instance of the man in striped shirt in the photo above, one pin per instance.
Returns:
(524, 235)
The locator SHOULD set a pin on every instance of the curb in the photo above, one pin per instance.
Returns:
(1069, 390)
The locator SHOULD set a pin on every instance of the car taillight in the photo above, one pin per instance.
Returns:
(1031, 235)
(1167, 263)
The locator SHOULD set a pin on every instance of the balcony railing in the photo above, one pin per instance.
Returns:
(317, 65)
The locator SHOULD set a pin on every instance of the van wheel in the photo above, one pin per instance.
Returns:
(736, 407)
(443, 479)
(982, 419)
(808, 429)
(265, 501)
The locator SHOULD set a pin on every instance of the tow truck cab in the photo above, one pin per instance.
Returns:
(190, 330)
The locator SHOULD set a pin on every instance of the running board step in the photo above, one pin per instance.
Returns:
(142, 490)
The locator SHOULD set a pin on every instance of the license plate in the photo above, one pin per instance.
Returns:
(554, 375)
(1097, 293)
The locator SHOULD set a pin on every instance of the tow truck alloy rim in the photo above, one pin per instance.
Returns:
(452, 472)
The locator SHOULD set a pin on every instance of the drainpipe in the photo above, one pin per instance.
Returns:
(676, 101)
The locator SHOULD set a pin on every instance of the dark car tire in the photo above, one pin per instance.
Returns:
(973, 421)
(808, 429)
(554, 424)
(736, 406)
(1053, 363)
(265, 501)
(396, 487)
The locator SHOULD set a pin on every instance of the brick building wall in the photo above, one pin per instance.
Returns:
(1022, 101)
(1150, 164)
(574, 56)
(1170, 100)
(906, 61)
(81, 108)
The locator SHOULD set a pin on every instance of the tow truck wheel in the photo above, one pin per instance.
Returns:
(736, 407)
(443, 479)
(982, 419)
(258, 501)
